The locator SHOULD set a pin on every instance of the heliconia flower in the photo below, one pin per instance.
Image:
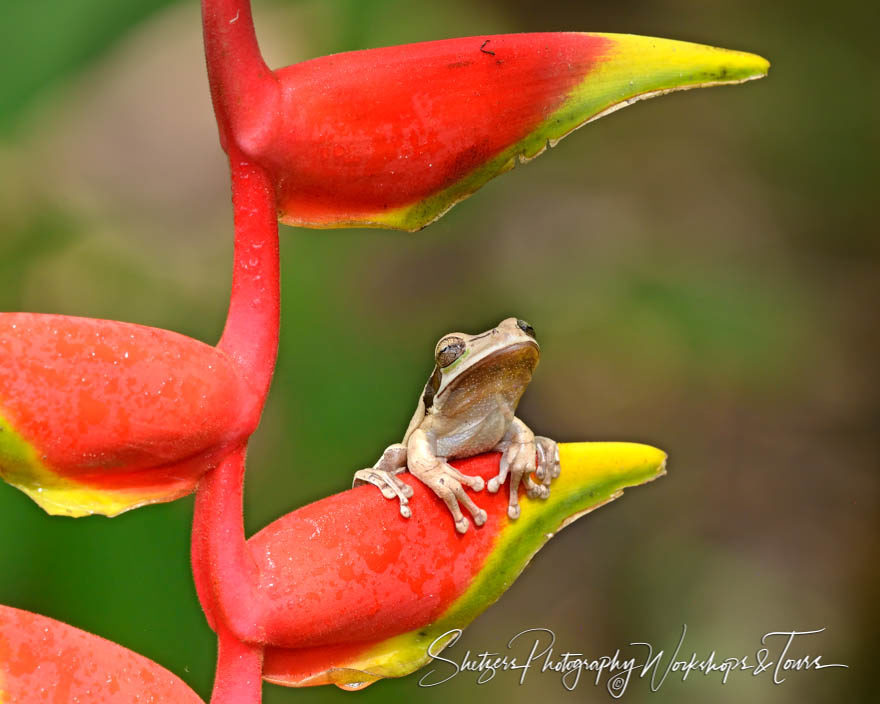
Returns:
(354, 592)
(394, 137)
(98, 416)
(43, 660)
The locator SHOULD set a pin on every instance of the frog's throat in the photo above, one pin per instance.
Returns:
(528, 351)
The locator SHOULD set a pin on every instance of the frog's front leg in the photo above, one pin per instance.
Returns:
(383, 475)
(521, 448)
(444, 480)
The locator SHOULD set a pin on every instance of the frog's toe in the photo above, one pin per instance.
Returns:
(371, 476)
(387, 491)
(508, 458)
(447, 492)
(388, 484)
(548, 460)
(447, 483)
(405, 489)
(513, 510)
(479, 515)
(533, 489)
(475, 483)
(519, 461)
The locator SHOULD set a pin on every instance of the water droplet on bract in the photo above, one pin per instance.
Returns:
(354, 685)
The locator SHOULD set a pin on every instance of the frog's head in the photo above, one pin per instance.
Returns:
(500, 360)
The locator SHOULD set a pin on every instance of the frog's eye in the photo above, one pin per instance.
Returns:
(448, 350)
(526, 328)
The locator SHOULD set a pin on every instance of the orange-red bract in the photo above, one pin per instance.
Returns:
(98, 416)
(353, 592)
(394, 137)
(46, 661)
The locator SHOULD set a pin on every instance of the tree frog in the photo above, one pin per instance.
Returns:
(467, 408)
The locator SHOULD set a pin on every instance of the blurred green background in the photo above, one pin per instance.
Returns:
(702, 271)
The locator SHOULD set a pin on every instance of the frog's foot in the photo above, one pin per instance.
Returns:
(390, 486)
(548, 460)
(383, 475)
(519, 460)
(448, 483)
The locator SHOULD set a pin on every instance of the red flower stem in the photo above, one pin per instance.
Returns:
(223, 568)
(251, 332)
(243, 89)
(238, 678)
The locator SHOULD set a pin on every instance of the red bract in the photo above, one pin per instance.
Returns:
(42, 660)
(352, 592)
(362, 137)
(100, 416)
(395, 137)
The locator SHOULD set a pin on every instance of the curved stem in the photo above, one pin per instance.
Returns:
(223, 568)
(251, 332)
(243, 89)
(238, 679)
(224, 571)
(241, 84)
